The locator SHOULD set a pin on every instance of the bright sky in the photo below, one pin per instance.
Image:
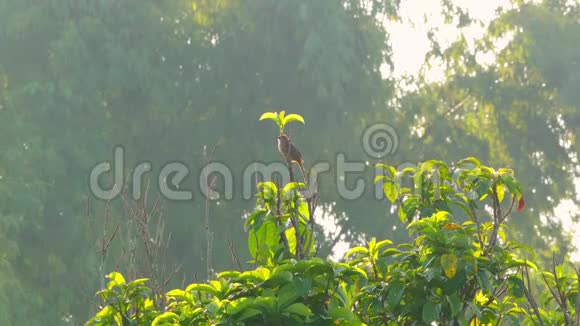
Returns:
(409, 37)
(410, 43)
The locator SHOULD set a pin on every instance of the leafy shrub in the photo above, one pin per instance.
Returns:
(459, 270)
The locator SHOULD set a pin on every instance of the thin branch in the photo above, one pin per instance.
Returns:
(563, 300)
(457, 106)
(529, 296)
(209, 186)
(508, 212)
(235, 260)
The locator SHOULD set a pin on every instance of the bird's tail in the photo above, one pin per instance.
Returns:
(301, 166)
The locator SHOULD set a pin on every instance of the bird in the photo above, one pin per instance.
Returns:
(291, 153)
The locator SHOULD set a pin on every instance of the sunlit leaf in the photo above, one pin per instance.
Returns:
(471, 160)
(391, 191)
(202, 288)
(165, 318)
(299, 309)
(356, 250)
(293, 117)
(269, 115)
(449, 263)
(500, 192)
(116, 278)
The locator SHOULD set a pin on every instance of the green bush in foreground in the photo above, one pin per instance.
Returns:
(459, 270)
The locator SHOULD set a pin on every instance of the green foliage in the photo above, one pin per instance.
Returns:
(512, 111)
(269, 240)
(127, 303)
(452, 272)
(435, 188)
(163, 79)
(281, 119)
(166, 78)
(292, 292)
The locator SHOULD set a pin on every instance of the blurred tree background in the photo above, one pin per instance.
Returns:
(163, 79)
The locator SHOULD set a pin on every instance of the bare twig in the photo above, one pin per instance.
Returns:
(508, 212)
(529, 295)
(457, 106)
(143, 243)
(235, 260)
(279, 213)
(209, 187)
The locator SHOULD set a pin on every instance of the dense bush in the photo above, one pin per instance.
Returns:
(459, 269)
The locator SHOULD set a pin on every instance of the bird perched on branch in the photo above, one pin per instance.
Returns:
(291, 153)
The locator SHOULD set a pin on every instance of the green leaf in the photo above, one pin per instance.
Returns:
(409, 208)
(341, 313)
(500, 192)
(107, 311)
(395, 293)
(269, 115)
(260, 274)
(292, 186)
(482, 188)
(455, 304)
(391, 171)
(291, 292)
(292, 241)
(516, 286)
(166, 318)
(255, 219)
(299, 309)
(176, 293)
(471, 159)
(269, 189)
(389, 252)
(116, 278)
(279, 278)
(379, 178)
(137, 282)
(293, 117)
(512, 184)
(449, 264)
(431, 312)
(483, 277)
(262, 239)
(248, 313)
(357, 250)
(212, 308)
(229, 274)
(202, 288)
(503, 171)
(383, 243)
(522, 262)
(381, 165)
(391, 191)
(408, 170)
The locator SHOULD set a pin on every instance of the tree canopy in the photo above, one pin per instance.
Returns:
(166, 79)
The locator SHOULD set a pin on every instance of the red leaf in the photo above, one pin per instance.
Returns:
(521, 204)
